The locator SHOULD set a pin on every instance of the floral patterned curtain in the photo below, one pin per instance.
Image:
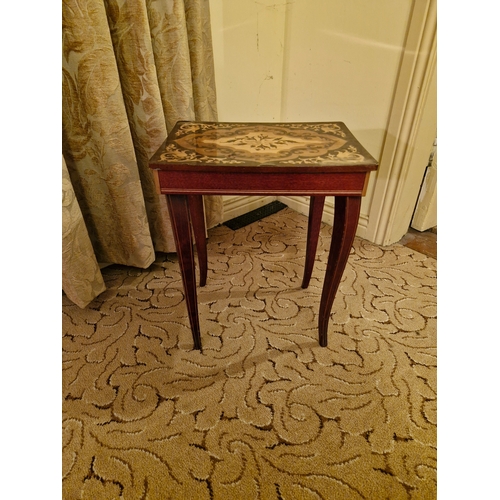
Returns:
(131, 70)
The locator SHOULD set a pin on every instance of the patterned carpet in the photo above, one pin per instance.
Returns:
(263, 412)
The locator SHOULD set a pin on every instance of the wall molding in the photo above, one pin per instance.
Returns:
(388, 211)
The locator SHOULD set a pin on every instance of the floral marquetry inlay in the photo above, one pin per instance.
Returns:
(286, 144)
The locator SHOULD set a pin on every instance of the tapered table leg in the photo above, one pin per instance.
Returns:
(316, 204)
(345, 222)
(179, 214)
(199, 229)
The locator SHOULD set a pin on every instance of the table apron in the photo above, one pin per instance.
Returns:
(234, 183)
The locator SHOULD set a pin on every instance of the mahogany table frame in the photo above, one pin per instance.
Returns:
(185, 184)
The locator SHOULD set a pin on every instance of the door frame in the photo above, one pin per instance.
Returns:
(411, 131)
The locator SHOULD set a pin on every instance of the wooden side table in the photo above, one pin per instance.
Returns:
(309, 159)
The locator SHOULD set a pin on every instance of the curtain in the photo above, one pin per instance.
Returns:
(131, 70)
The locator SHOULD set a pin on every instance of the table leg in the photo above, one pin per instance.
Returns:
(345, 223)
(179, 215)
(316, 204)
(200, 236)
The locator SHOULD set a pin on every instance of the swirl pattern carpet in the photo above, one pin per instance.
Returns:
(263, 412)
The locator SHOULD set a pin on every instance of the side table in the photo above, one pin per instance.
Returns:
(221, 158)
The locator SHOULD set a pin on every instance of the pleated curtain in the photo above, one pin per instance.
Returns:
(131, 70)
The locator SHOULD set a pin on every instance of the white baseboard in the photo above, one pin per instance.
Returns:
(301, 204)
(234, 206)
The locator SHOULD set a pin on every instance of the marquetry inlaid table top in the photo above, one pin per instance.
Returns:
(328, 145)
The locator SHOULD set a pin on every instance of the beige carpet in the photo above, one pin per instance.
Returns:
(263, 412)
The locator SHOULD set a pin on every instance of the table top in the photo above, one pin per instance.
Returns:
(224, 145)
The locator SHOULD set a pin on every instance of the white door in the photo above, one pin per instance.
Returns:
(425, 216)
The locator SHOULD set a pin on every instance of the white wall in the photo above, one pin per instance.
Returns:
(248, 39)
(310, 60)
